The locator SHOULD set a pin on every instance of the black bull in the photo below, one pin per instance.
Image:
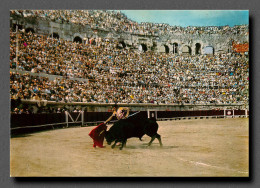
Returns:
(135, 126)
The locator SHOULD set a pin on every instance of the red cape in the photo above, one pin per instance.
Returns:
(98, 134)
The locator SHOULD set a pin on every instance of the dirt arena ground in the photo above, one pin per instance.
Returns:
(191, 148)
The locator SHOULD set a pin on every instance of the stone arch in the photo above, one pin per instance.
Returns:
(154, 46)
(208, 50)
(175, 48)
(77, 39)
(142, 47)
(121, 45)
(167, 50)
(186, 50)
(197, 48)
(20, 27)
(29, 29)
(55, 35)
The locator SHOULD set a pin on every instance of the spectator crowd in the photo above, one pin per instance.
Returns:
(65, 71)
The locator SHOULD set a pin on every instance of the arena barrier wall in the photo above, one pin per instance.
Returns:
(23, 123)
(106, 107)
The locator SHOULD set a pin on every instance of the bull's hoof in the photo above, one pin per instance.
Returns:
(112, 146)
(121, 148)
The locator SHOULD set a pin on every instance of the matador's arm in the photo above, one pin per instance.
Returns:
(110, 117)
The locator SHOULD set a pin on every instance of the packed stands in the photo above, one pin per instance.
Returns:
(65, 71)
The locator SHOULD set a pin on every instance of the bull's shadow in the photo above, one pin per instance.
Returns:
(145, 146)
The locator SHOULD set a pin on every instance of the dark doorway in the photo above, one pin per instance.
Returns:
(143, 48)
(29, 30)
(121, 45)
(55, 35)
(19, 27)
(197, 48)
(166, 49)
(78, 39)
(175, 48)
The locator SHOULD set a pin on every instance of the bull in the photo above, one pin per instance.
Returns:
(135, 126)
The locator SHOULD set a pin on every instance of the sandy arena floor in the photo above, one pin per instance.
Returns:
(191, 148)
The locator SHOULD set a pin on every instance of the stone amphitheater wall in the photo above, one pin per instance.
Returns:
(221, 43)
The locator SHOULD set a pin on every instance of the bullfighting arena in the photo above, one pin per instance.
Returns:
(191, 148)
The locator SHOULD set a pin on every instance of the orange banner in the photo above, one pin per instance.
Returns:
(241, 48)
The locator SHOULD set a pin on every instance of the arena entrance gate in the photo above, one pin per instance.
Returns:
(70, 119)
(152, 113)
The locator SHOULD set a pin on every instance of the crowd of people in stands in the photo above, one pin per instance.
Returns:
(52, 69)
(131, 77)
(117, 21)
